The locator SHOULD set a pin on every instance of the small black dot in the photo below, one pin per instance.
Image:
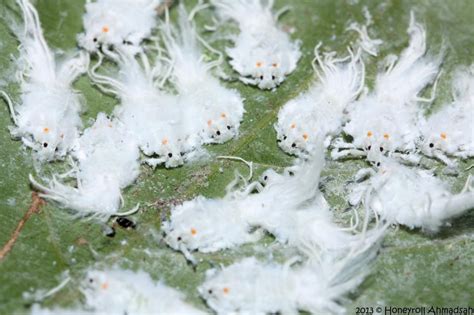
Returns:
(170, 155)
(210, 291)
(293, 145)
(381, 149)
(284, 137)
(431, 145)
(45, 144)
(368, 148)
(261, 77)
(181, 153)
(218, 133)
(278, 140)
(228, 127)
(273, 77)
(378, 163)
(91, 280)
(94, 39)
(265, 177)
(179, 238)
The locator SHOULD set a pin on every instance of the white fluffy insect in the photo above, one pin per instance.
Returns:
(263, 53)
(449, 131)
(214, 109)
(290, 207)
(152, 115)
(319, 112)
(119, 291)
(209, 225)
(47, 119)
(411, 197)
(118, 23)
(318, 286)
(107, 158)
(386, 120)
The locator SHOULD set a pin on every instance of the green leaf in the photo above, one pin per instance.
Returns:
(413, 268)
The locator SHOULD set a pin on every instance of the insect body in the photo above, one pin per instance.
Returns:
(107, 158)
(119, 291)
(216, 111)
(47, 120)
(153, 116)
(411, 197)
(386, 120)
(118, 23)
(319, 112)
(263, 54)
(252, 287)
(280, 208)
(449, 131)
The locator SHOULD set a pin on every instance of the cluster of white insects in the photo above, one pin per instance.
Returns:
(171, 104)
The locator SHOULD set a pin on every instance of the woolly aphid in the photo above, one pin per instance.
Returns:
(386, 120)
(320, 111)
(119, 291)
(47, 119)
(449, 131)
(117, 24)
(152, 115)
(263, 54)
(107, 161)
(318, 286)
(410, 197)
(209, 225)
(216, 111)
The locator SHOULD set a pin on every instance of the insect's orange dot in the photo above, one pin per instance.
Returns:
(164, 142)
(369, 134)
(226, 290)
(223, 115)
(305, 136)
(105, 286)
(293, 125)
(105, 29)
(386, 136)
(209, 122)
(258, 64)
(46, 130)
(193, 231)
(274, 65)
(443, 136)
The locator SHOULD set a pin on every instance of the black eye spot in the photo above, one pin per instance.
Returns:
(94, 39)
(273, 77)
(431, 145)
(261, 77)
(179, 238)
(218, 133)
(378, 163)
(91, 280)
(265, 177)
(369, 147)
(291, 173)
(293, 145)
(45, 144)
(210, 291)
(284, 137)
(56, 150)
(228, 127)
(381, 149)
(170, 155)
